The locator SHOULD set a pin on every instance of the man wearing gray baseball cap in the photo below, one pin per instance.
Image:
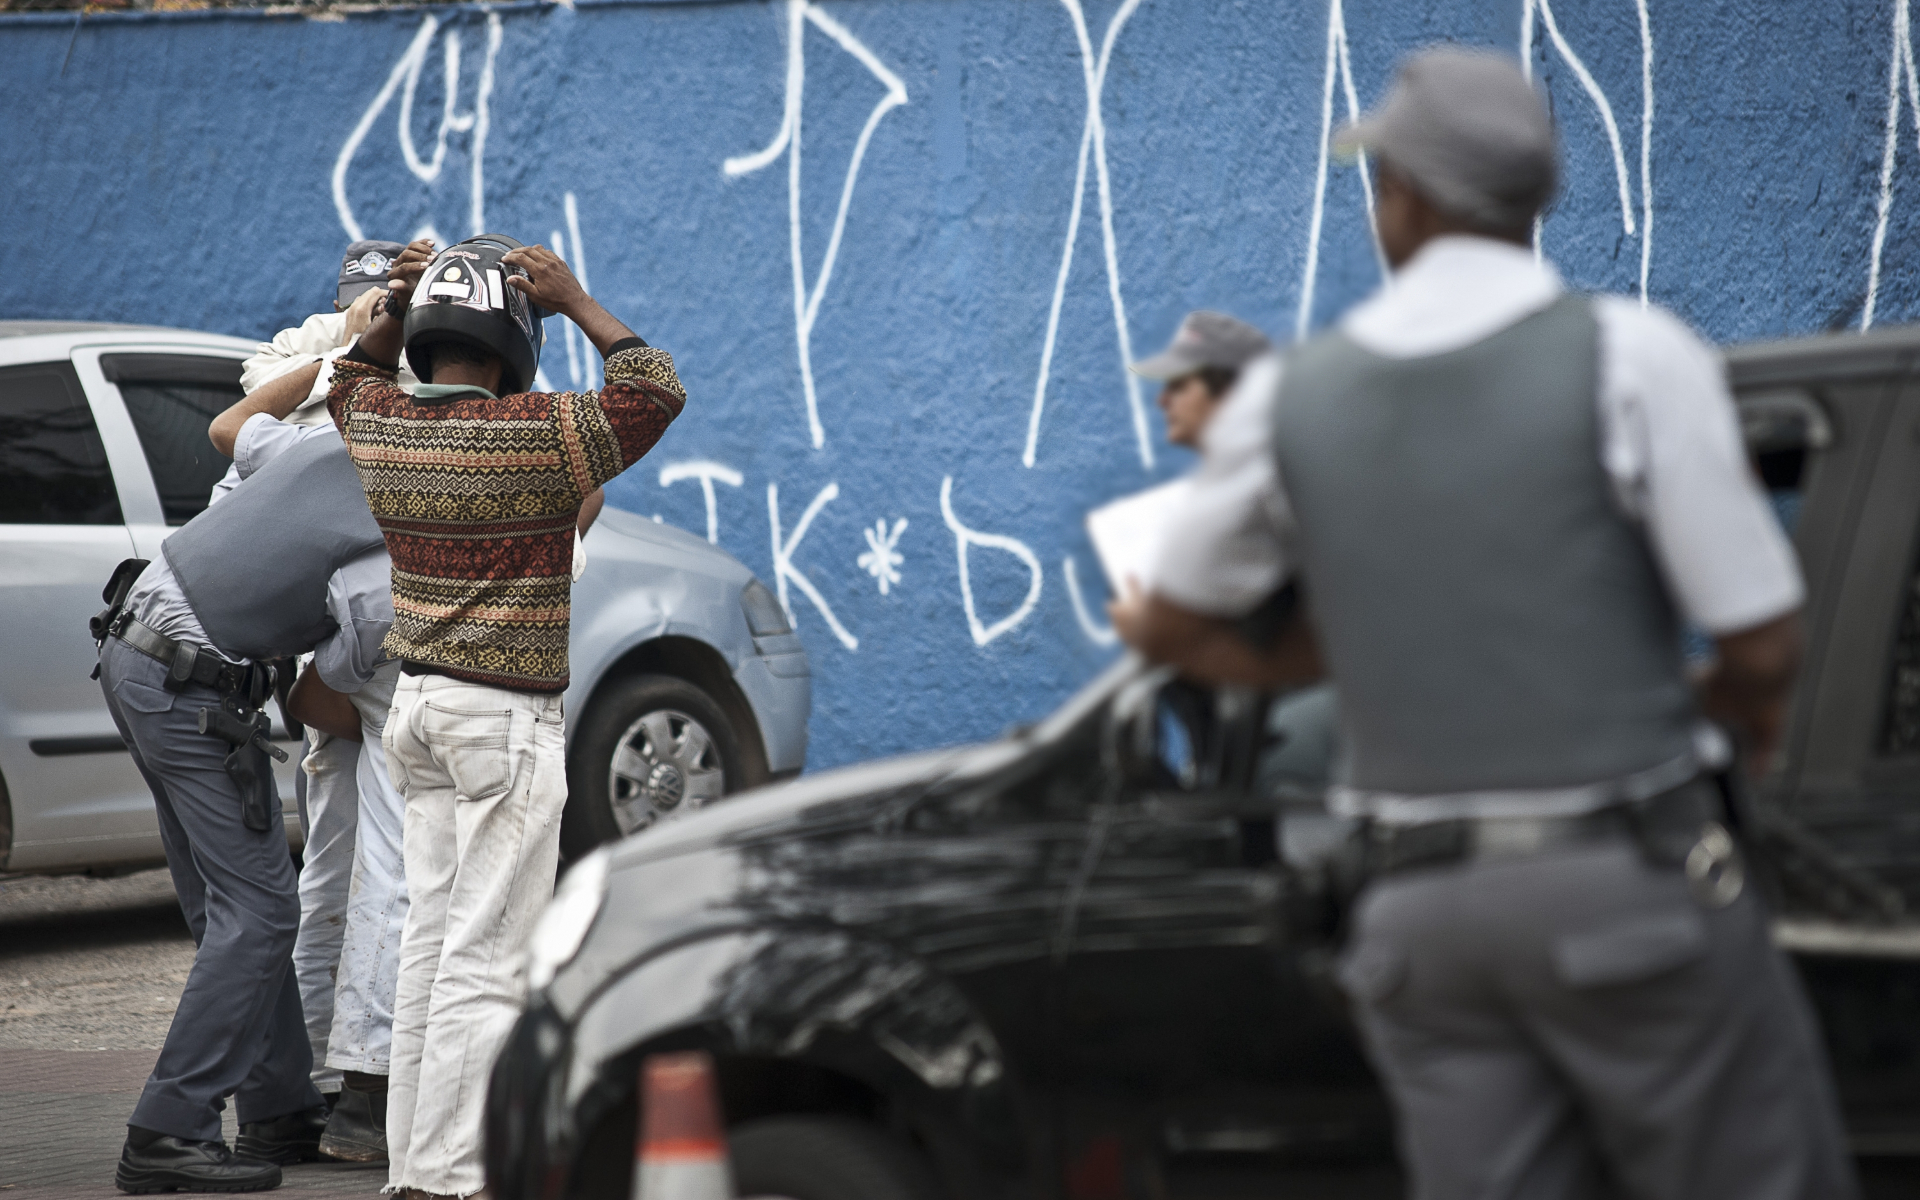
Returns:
(1504, 498)
(1198, 368)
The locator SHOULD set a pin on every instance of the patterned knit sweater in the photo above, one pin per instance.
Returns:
(478, 497)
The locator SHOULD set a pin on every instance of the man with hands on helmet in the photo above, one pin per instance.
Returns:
(477, 485)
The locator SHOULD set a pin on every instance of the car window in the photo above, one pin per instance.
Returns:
(1900, 718)
(172, 398)
(53, 469)
(1785, 429)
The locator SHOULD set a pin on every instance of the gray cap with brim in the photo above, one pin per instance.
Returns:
(1204, 339)
(1467, 129)
(365, 266)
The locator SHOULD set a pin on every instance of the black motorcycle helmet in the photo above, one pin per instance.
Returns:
(464, 297)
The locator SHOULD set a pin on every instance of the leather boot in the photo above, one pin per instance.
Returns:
(293, 1138)
(153, 1162)
(357, 1130)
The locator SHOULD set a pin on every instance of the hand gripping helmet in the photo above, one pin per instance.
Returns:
(464, 297)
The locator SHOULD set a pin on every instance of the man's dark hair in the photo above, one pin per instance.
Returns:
(1218, 380)
(458, 353)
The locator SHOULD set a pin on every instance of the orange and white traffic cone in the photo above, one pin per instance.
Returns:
(681, 1154)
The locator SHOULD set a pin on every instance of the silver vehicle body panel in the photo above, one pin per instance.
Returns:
(646, 581)
(76, 808)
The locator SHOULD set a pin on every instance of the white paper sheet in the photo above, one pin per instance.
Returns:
(1127, 533)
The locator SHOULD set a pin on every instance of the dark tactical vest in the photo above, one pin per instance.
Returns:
(255, 565)
(1492, 619)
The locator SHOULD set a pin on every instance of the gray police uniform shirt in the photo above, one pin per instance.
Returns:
(1669, 443)
(359, 594)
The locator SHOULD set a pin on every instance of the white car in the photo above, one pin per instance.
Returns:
(688, 682)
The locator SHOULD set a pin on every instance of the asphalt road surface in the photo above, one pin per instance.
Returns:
(90, 970)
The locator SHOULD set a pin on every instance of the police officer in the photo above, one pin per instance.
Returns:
(1198, 368)
(180, 667)
(1503, 498)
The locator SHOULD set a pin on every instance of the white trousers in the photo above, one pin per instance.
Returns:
(353, 895)
(326, 871)
(484, 775)
(362, 1034)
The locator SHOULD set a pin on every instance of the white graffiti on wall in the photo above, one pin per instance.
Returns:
(581, 357)
(964, 539)
(806, 301)
(1099, 635)
(882, 557)
(784, 572)
(1093, 137)
(1339, 69)
(1900, 69)
(405, 78)
(708, 473)
(1528, 41)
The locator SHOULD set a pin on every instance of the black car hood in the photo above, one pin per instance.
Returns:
(810, 803)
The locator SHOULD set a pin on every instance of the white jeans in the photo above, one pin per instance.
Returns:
(326, 870)
(353, 895)
(362, 1033)
(484, 774)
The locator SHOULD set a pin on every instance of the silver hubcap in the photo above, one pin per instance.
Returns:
(665, 761)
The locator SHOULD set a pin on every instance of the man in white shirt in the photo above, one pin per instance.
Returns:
(286, 383)
(1503, 499)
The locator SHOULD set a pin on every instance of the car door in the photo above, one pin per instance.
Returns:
(63, 526)
(1191, 1031)
(1852, 776)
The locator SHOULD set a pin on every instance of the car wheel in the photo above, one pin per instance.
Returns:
(649, 746)
(824, 1158)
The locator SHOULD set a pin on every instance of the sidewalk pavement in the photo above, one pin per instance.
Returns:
(64, 1114)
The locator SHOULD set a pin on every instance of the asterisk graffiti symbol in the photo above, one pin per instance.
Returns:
(881, 560)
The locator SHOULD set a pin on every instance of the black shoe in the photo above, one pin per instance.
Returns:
(290, 1139)
(357, 1130)
(169, 1164)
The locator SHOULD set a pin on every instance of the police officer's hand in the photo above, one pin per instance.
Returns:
(548, 282)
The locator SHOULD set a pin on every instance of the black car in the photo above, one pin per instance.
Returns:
(1077, 960)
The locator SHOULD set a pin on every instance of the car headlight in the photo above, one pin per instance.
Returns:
(765, 617)
(568, 916)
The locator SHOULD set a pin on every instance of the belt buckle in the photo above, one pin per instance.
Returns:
(1716, 875)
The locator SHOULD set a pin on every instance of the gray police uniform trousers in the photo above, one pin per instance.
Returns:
(1572, 1023)
(238, 1029)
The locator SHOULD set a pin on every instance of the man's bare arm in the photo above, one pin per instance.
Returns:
(550, 284)
(276, 398)
(312, 702)
(1749, 687)
(590, 509)
(1212, 649)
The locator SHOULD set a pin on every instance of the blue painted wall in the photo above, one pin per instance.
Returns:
(180, 170)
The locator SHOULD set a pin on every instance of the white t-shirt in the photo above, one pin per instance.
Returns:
(1669, 440)
(321, 338)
